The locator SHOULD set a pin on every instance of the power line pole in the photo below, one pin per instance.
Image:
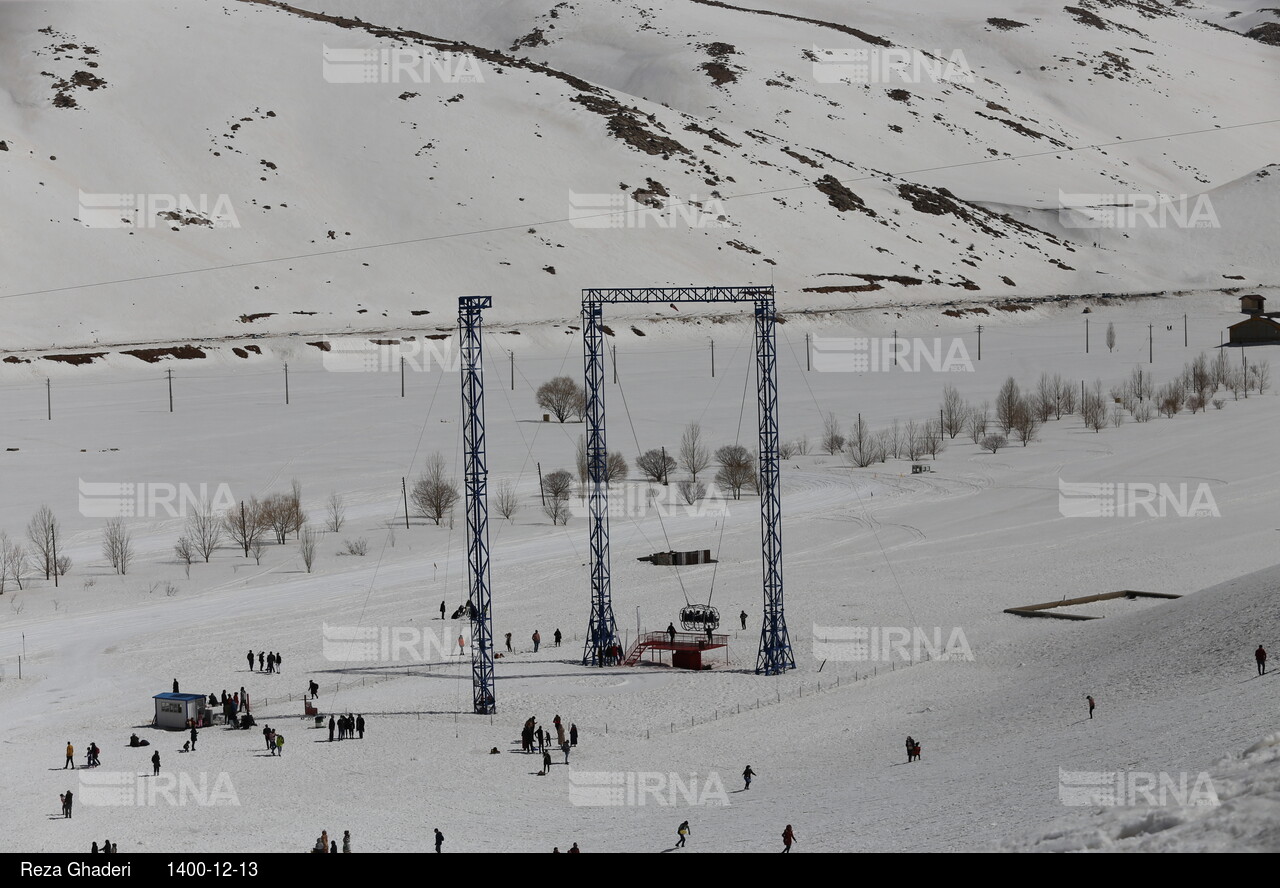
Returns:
(613, 350)
(286, 383)
(513, 369)
(404, 491)
(1184, 331)
(808, 354)
(169, 373)
(1151, 349)
(895, 348)
(402, 376)
(713, 359)
(1086, 336)
(48, 395)
(542, 494)
(979, 342)
(53, 545)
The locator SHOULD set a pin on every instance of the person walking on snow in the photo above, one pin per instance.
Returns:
(155, 763)
(439, 840)
(462, 642)
(573, 735)
(546, 762)
(194, 735)
(788, 836)
(683, 832)
(747, 774)
(1261, 656)
(537, 640)
(250, 656)
(557, 637)
(1091, 705)
(743, 617)
(315, 689)
(442, 610)
(71, 757)
(332, 724)
(508, 642)
(175, 686)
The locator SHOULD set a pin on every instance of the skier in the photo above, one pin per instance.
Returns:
(332, 724)
(1261, 656)
(537, 640)
(250, 656)
(155, 763)
(743, 617)
(747, 774)
(557, 637)
(683, 832)
(71, 757)
(671, 632)
(573, 735)
(1091, 705)
(508, 642)
(788, 836)
(439, 840)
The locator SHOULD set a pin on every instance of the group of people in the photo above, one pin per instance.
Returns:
(683, 832)
(65, 798)
(268, 661)
(325, 846)
(913, 749)
(108, 847)
(90, 756)
(346, 726)
(237, 702)
(533, 732)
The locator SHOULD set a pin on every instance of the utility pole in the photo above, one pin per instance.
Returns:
(53, 545)
(48, 394)
(808, 354)
(286, 383)
(1086, 336)
(1151, 349)
(613, 350)
(404, 491)
(169, 373)
(713, 359)
(895, 348)
(664, 466)
(979, 342)
(402, 376)
(542, 494)
(244, 529)
(1184, 331)
(512, 354)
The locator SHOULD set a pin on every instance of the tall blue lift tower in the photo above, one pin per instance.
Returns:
(775, 654)
(476, 481)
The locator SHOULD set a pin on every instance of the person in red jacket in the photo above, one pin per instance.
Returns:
(1261, 656)
(787, 838)
(1091, 705)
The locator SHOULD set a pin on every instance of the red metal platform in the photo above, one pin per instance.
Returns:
(686, 649)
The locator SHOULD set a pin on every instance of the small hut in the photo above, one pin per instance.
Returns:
(174, 711)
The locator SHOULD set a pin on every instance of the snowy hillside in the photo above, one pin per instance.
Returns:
(733, 137)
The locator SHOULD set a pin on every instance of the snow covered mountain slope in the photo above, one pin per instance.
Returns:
(733, 137)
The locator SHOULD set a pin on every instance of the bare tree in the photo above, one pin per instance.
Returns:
(1093, 408)
(802, 445)
(994, 442)
(557, 485)
(297, 516)
(557, 510)
(277, 509)
(862, 449)
(935, 443)
(307, 539)
(1027, 420)
(1171, 398)
(655, 465)
(786, 449)
(117, 545)
(1260, 376)
(914, 440)
(185, 552)
(245, 524)
(694, 455)
(979, 419)
(204, 531)
(1111, 337)
(562, 398)
(894, 440)
(12, 562)
(954, 410)
(615, 468)
(737, 469)
(580, 459)
(505, 499)
(1007, 402)
(43, 531)
(358, 546)
(691, 491)
(336, 514)
(1046, 397)
(257, 548)
(832, 437)
(435, 493)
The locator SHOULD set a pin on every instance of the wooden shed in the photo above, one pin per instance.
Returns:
(1255, 330)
